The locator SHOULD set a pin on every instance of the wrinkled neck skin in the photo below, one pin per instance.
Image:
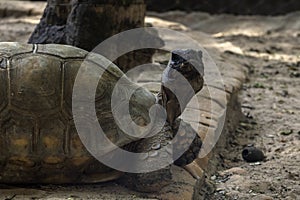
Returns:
(181, 80)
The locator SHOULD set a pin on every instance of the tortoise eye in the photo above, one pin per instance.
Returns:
(183, 64)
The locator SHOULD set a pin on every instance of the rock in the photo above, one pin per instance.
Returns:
(236, 180)
(252, 154)
(232, 171)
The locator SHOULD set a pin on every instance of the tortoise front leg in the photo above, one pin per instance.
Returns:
(157, 154)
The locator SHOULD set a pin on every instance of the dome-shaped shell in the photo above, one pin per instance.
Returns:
(38, 139)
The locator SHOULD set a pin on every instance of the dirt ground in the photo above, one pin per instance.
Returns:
(271, 104)
(270, 47)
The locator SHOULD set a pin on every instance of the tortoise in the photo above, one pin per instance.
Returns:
(39, 142)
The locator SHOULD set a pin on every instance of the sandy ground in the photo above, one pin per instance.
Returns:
(270, 48)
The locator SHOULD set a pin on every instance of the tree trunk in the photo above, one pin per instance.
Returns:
(51, 28)
(86, 23)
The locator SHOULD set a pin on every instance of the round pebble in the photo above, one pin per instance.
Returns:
(155, 146)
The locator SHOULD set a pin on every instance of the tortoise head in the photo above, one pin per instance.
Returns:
(188, 62)
(181, 80)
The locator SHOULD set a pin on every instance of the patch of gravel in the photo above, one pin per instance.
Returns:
(271, 104)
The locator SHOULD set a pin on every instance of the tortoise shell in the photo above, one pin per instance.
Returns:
(38, 139)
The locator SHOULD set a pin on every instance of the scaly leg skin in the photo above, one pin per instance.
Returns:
(156, 154)
(186, 136)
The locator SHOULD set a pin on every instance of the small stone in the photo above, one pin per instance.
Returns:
(259, 85)
(234, 170)
(286, 132)
(246, 126)
(222, 192)
(153, 154)
(295, 75)
(252, 154)
(238, 130)
(270, 136)
(155, 146)
(255, 164)
(281, 101)
(220, 189)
